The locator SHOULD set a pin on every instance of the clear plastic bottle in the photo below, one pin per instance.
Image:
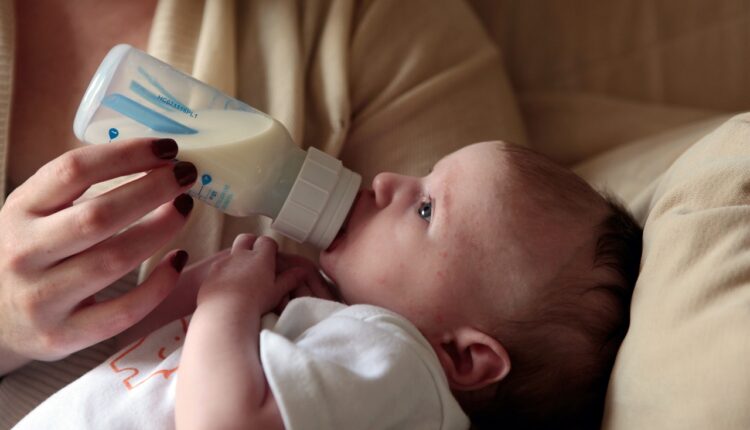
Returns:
(246, 160)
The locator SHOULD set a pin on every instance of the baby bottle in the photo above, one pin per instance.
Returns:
(246, 160)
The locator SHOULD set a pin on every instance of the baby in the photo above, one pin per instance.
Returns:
(516, 273)
(497, 288)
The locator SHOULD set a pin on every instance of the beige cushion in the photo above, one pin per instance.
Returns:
(631, 171)
(684, 361)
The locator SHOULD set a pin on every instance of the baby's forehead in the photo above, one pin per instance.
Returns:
(512, 203)
(499, 165)
(491, 176)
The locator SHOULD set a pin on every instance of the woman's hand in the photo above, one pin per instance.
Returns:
(56, 252)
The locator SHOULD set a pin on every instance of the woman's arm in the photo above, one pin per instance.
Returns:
(221, 383)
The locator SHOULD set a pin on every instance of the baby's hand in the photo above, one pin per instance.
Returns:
(247, 279)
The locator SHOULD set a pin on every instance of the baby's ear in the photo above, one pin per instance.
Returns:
(471, 359)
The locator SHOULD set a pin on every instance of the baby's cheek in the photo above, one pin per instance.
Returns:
(438, 318)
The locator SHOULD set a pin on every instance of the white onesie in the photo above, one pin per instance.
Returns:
(329, 366)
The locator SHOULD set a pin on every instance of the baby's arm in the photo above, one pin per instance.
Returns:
(221, 381)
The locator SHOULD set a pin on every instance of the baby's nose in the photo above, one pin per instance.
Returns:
(383, 186)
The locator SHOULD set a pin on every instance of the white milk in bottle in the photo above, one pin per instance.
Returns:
(236, 154)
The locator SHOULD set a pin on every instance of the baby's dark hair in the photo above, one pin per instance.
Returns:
(562, 357)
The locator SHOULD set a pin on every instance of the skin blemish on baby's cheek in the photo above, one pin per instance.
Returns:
(441, 274)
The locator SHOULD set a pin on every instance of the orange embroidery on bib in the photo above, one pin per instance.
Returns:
(132, 380)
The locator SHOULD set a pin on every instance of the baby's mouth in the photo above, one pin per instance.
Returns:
(342, 232)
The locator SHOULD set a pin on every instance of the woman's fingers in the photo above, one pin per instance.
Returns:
(59, 182)
(106, 319)
(111, 259)
(79, 227)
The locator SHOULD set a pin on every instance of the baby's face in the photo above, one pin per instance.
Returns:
(426, 247)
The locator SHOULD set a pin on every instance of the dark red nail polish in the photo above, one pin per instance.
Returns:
(185, 173)
(179, 260)
(183, 203)
(166, 149)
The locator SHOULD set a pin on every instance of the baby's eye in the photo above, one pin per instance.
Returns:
(425, 210)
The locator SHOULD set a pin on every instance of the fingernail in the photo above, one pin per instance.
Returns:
(165, 149)
(185, 173)
(183, 203)
(179, 260)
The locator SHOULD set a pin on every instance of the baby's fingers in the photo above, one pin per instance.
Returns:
(287, 282)
(267, 247)
(264, 249)
(320, 288)
(243, 241)
(280, 307)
